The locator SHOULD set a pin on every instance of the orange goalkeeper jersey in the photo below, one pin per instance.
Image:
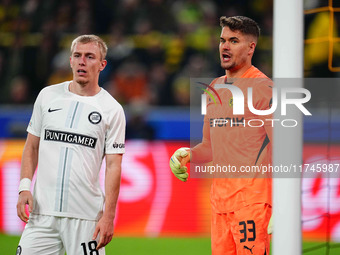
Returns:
(239, 142)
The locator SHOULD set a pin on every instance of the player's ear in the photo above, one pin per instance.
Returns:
(252, 46)
(70, 62)
(103, 63)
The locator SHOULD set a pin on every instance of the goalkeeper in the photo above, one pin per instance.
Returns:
(241, 207)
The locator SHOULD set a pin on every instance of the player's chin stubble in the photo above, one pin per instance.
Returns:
(82, 82)
(227, 66)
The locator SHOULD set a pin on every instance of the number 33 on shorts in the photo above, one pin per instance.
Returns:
(248, 230)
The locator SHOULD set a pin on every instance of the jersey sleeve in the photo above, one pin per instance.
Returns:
(35, 124)
(115, 135)
(263, 96)
(263, 101)
(263, 93)
(202, 153)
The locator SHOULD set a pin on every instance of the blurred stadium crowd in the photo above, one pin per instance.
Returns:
(155, 46)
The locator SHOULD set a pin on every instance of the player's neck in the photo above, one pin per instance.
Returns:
(84, 89)
(239, 72)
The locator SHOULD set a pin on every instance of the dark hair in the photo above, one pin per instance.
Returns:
(243, 24)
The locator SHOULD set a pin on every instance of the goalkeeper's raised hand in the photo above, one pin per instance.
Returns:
(178, 162)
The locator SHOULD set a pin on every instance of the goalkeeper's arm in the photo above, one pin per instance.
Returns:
(201, 153)
(182, 156)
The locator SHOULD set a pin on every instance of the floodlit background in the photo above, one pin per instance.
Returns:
(155, 47)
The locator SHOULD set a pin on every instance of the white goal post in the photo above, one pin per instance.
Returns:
(287, 142)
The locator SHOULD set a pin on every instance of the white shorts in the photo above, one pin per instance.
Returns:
(50, 235)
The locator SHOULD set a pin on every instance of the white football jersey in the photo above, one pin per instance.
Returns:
(75, 133)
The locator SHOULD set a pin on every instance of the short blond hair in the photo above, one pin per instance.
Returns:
(91, 39)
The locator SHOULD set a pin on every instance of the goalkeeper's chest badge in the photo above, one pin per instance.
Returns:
(230, 103)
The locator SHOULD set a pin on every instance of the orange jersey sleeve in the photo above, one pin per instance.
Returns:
(202, 152)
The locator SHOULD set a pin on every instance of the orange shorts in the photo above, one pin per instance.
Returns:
(243, 232)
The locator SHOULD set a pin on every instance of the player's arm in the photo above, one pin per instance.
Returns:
(112, 184)
(28, 165)
(269, 132)
(201, 153)
(263, 94)
(267, 97)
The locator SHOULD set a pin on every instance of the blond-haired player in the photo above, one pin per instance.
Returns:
(73, 126)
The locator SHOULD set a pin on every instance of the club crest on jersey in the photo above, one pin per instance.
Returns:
(95, 117)
(19, 250)
(230, 103)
